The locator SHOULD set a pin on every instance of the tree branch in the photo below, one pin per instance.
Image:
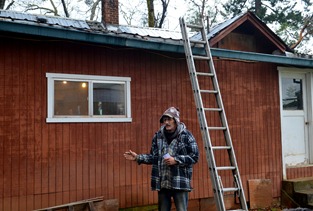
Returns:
(65, 9)
(93, 9)
(36, 7)
(164, 11)
(9, 5)
(306, 30)
(55, 10)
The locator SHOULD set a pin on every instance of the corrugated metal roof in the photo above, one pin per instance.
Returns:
(97, 27)
(215, 30)
(43, 19)
(88, 26)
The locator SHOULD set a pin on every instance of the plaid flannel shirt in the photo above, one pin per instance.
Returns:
(185, 151)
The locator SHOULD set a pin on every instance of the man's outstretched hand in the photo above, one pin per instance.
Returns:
(130, 155)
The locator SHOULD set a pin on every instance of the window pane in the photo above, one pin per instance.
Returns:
(70, 98)
(109, 99)
(292, 94)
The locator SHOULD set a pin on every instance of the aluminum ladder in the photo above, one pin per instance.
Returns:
(208, 114)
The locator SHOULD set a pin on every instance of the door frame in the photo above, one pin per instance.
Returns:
(308, 108)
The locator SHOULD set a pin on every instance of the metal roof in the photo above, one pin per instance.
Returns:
(97, 27)
(128, 36)
(7, 15)
(218, 28)
(88, 26)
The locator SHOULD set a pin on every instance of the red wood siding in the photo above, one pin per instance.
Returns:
(299, 172)
(45, 164)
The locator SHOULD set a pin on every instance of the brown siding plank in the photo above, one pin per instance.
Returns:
(85, 163)
(59, 146)
(74, 142)
(30, 125)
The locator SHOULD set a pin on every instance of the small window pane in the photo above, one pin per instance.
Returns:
(109, 99)
(70, 98)
(292, 94)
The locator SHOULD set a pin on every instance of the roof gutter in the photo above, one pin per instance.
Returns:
(122, 40)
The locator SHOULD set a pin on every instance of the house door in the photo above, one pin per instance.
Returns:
(295, 124)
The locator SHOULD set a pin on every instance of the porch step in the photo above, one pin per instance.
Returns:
(304, 197)
(298, 192)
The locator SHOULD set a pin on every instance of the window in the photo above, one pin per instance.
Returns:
(86, 98)
(292, 94)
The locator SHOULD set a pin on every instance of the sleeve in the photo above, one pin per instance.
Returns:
(190, 151)
(152, 157)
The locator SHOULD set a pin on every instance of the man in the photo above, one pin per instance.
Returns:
(173, 152)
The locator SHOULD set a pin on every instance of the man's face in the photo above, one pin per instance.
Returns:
(170, 124)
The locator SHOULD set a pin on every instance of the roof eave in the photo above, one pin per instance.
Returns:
(109, 39)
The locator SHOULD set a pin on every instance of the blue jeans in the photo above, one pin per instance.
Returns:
(180, 199)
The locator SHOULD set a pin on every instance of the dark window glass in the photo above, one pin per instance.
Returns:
(109, 99)
(292, 94)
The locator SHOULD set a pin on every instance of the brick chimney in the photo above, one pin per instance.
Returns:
(110, 11)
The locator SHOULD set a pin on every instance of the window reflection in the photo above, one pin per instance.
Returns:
(292, 94)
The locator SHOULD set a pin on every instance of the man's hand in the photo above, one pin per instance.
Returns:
(130, 155)
(170, 161)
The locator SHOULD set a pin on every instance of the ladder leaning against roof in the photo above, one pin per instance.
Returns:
(206, 91)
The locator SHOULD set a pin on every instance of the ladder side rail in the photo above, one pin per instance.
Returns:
(224, 120)
(201, 115)
(219, 99)
(218, 95)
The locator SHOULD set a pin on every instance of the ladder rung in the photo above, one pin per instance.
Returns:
(237, 210)
(194, 26)
(198, 41)
(201, 57)
(221, 147)
(209, 91)
(204, 74)
(221, 168)
(213, 109)
(230, 189)
(217, 128)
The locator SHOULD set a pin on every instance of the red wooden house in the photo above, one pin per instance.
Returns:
(76, 95)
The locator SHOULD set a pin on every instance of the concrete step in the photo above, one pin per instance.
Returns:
(299, 184)
(304, 197)
(298, 192)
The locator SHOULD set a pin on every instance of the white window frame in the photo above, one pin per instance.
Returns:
(51, 77)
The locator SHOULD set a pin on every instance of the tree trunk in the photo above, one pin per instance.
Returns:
(93, 9)
(164, 11)
(2, 2)
(151, 16)
(65, 9)
(258, 5)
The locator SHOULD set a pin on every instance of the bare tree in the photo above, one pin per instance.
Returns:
(65, 9)
(93, 9)
(47, 10)
(151, 14)
(130, 11)
(2, 3)
(157, 19)
(160, 20)
(201, 9)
